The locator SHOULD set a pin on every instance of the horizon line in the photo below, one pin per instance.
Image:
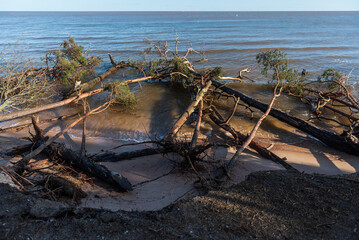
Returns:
(180, 11)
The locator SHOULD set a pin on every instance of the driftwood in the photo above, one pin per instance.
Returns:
(23, 113)
(72, 158)
(51, 140)
(332, 139)
(116, 157)
(198, 126)
(22, 126)
(190, 109)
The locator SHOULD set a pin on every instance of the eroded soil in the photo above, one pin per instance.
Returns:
(268, 205)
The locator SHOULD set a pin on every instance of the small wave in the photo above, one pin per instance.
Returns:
(284, 49)
(45, 38)
(253, 42)
(117, 51)
(339, 60)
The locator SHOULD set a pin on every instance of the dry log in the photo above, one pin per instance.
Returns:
(254, 144)
(198, 126)
(332, 139)
(23, 113)
(255, 129)
(72, 158)
(22, 126)
(116, 157)
(190, 109)
(51, 140)
(84, 164)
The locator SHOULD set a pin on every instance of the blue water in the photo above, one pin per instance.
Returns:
(313, 40)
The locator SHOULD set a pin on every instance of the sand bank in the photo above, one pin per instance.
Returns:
(157, 183)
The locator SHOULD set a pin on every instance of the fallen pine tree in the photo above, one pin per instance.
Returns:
(76, 160)
(203, 87)
(342, 142)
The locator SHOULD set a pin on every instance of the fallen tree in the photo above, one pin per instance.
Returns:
(190, 109)
(89, 85)
(22, 126)
(116, 157)
(72, 158)
(23, 113)
(341, 142)
(204, 88)
(239, 137)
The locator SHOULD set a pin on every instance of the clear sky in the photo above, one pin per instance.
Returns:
(179, 5)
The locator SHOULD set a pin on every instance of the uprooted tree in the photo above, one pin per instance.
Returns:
(330, 92)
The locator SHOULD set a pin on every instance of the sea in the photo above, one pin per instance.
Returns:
(314, 41)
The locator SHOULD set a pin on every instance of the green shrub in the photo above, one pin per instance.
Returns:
(276, 61)
(70, 63)
(122, 95)
(330, 79)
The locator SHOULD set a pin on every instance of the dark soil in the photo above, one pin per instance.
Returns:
(269, 205)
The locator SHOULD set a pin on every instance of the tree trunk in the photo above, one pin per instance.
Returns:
(254, 145)
(116, 157)
(87, 86)
(190, 109)
(330, 138)
(72, 158)
(23, 113)
(22, 126)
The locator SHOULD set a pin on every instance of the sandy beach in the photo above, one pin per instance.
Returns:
(158, 183)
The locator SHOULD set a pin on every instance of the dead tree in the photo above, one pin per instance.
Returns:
(190, 109)
(249, 139)
(239, 137)
(341, 142)
(87, 86)
(116, 157)
(72, 158)
(23, 113)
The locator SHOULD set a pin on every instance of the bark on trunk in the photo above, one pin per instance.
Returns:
(74, 159)
(116, 157)
(87, 86)
(330, 138)
(190, 109)
(22, 126)
(87, 166)
(23, 113)
(254, 145)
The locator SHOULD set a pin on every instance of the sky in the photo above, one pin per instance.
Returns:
(179, 5)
